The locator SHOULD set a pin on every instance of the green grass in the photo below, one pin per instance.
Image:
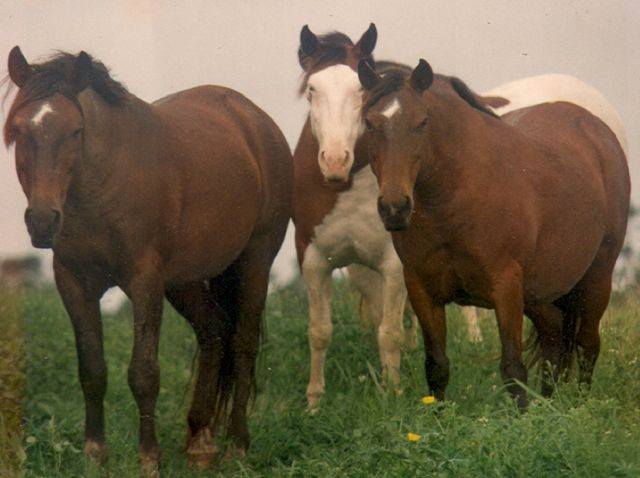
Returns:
(360, 431)
(11, 384)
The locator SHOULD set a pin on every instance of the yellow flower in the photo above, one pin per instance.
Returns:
(413, 436)
(428, 400)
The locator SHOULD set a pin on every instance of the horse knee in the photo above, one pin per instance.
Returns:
(144, 380)
(320, 334)
(391, 339)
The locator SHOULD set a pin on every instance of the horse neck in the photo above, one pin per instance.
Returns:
(116, 139)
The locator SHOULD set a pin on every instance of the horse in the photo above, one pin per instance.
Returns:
(524, 213)
(186, 198)
(334, 212)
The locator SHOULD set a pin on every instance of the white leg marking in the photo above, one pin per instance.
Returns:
(391, 336)
(44, 110)
(473, 327)
(316, 272)
(392, 108)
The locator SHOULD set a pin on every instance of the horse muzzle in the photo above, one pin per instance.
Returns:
(395, 213)
(42, 224)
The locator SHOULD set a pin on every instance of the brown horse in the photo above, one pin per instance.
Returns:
(524, 214)
(187, 198)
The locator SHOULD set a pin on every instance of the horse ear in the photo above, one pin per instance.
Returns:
(19, 68)
(422, 76)
(308, 41)
(368, 40)
(367, 76)
(82, 70)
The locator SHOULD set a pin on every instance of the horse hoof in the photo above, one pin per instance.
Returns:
(97, 452)
(201, 451)
(235, 452)
(149, 466)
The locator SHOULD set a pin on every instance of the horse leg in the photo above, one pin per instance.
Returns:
(391, 336)
(194, 303)
(473, 327)
(84, 310)
(548, 321)
(146, 290)
(434, 333)
(509, 305)
(595, 292)
(369, 284)
(316, 272)
(252, 268)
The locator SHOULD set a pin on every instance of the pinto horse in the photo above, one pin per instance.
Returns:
(334, 206)
(525, 214)
(187, 198)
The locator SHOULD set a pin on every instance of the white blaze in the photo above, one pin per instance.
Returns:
(44, 110)
(335, 97)
(392, 108)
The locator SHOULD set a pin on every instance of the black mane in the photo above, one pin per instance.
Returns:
(54, 76)
(394, 76)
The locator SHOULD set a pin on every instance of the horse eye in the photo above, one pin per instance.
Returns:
(368, 125)
(423, 123)
(77, 133)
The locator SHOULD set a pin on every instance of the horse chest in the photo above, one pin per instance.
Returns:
(353, 231)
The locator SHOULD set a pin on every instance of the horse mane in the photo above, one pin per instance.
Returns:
(54, 76)
(394, 76)
(331, 49)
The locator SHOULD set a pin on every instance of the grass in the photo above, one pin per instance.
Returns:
(11, 384)
(360, 431)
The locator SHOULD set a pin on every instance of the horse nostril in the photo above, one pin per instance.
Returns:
(383, 208)
(347, 155)
(322, 154)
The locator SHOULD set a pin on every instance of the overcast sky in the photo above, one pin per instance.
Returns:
(156, 48)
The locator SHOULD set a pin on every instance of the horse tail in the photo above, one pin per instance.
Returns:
(224, 292)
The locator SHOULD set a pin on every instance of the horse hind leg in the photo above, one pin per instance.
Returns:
(252, 281)
(548, 322)
(194, 303)
(473, 326)
(369, 284)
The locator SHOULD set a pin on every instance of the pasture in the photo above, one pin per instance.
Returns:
(360, 430)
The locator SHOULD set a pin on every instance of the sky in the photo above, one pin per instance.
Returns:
(159, 47)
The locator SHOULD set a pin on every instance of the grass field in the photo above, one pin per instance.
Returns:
(360, 431)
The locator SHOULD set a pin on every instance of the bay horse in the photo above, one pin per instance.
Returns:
(186, 198)
(525, 214)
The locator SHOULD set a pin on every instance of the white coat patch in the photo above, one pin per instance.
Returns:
(392, 108)
(44, 110)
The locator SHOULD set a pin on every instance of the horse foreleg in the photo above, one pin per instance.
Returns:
(316, 272)
(83, 306)
(432, 321)
(391, 337)
(147, 294)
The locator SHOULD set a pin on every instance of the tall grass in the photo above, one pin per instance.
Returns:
(360, 431)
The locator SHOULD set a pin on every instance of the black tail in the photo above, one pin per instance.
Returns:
(224, 292)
